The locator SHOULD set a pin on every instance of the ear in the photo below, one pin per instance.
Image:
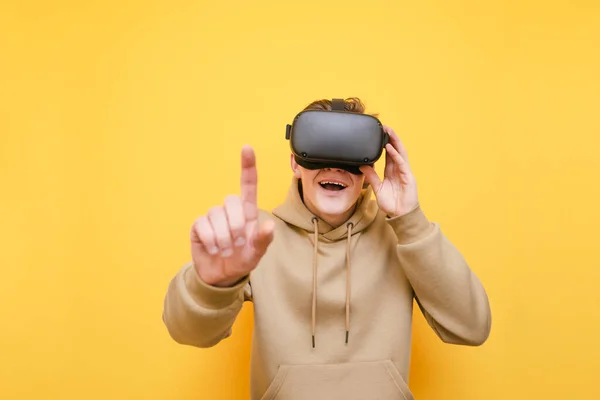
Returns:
(295, 167)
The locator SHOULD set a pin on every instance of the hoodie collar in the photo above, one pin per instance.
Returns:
(294, 212)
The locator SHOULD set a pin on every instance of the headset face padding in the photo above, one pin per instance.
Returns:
(353, 169)
(336, 139)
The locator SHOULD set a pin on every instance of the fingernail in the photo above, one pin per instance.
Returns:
(213, 251)
(240, 241)
(226, 253)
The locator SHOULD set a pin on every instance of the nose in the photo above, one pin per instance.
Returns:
(335, 169)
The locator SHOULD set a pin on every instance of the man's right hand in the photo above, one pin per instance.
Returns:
(227, 242)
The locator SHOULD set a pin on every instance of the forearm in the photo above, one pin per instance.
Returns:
(449, 294)
(199, 314)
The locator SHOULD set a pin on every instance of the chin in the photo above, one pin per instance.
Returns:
(334, 203)
(330, 193)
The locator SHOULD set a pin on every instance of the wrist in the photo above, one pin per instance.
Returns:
(217, 281)
(410, 226)
(402, 213)
(229, 282)
(208, 295)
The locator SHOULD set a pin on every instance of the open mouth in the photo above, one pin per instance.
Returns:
(334, 186)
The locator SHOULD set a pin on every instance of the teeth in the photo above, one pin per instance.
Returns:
(333, 183)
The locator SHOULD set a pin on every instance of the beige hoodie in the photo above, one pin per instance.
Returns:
(333, 306)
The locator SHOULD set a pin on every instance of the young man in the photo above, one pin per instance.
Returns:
(332, 274)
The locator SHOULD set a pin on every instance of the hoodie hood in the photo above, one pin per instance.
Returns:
(294, 212)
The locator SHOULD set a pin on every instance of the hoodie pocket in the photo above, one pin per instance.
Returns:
(351, 381)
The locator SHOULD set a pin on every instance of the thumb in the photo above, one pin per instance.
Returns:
(262, 238)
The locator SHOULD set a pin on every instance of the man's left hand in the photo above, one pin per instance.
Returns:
(397, 193)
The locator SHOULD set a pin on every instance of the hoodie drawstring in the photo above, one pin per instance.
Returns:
(314, 296)
(349, 226)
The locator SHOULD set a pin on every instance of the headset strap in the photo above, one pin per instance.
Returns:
(338, 105)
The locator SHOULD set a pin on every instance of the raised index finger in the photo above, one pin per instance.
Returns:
(249, 183)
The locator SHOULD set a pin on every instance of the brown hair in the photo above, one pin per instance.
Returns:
(351, 104)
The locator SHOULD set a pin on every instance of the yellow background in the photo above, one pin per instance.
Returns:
(121, 122)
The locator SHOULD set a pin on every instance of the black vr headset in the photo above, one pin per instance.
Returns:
(336, 139)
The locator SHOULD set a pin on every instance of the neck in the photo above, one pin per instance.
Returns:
(335, 220)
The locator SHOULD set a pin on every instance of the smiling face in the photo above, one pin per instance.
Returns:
(331, 194)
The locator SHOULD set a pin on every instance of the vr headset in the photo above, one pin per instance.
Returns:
(336, 139)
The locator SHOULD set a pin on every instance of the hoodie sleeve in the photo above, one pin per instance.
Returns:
(198, 314)
(449, 294)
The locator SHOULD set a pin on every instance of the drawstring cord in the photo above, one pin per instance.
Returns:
(314, 296)
(349, 226)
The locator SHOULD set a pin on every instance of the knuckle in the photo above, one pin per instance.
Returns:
(202, 224)
(233, 205)
(215, 211)
(237, 228)
(235, 212)
(197, 226)
(232, 199)
(206, 236)
(200, 221)
(224, 240)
